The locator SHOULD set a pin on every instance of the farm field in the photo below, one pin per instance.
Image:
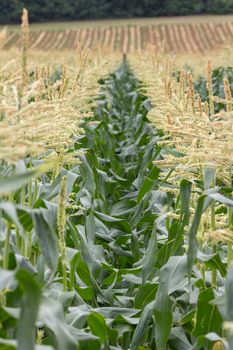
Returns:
(194, 34)
(116, 187)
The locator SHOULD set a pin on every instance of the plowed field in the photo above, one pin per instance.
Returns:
(190, 37)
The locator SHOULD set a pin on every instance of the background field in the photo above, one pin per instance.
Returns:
(177, 34)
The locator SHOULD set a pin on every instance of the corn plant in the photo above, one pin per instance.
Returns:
(116, 210)
(106, 253)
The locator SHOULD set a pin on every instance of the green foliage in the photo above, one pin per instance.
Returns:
(93, 9)
(132, 271)
(218, 74)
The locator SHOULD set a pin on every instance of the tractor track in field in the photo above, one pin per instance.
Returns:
(177, 38)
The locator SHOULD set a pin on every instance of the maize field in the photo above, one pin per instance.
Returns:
(116, 199)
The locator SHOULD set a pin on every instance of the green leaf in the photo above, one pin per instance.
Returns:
(115, 222)
(98, 326)
(90, 227)
(51, 315)
(10, 211)
(192, 242)
(229, 293)
(178, 339)
(73, 266)
(171, 275)
(209, 176)
(26, 331)
(221, 199)
(47, 238)
(148, 267)
(53, 190)
(89, 176)
(185, 193)
(88, 251)
(148, 183)
(141, 328)
(86, 293)
(229, 306)
(213, 261)
(145, 295)
(208, 318)
(145, 188)
(16, 181)
(122, 208)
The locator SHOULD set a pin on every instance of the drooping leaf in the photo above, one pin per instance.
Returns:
(14, 182)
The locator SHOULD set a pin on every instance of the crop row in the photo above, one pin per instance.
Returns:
(116, 210)
(127, 245)
(192, 38)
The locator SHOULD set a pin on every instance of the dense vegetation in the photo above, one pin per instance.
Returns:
(106, 253)
(218, 75)
(116, 207)
(96, 9)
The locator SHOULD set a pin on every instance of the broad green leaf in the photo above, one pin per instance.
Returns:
(213, 261)
(26, 331)
(90, 179)
(142, 326)
(148, 267)
(10, 211)
(192, 241)
(114, 222)
(90, 227)
(47, 238)
(171, 275)
(51, 315)
(145, 295)
(122, 208)
(145, 188)
(208, 318)
(185, 193)
(148, 183)
(88, 251)
(178, 339)
(16, 181)
(53, 190)
(221, 199)
(98, 326)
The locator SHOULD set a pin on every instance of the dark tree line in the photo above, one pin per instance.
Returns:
(44, 10)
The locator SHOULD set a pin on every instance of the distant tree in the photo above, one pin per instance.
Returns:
(47, 10)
